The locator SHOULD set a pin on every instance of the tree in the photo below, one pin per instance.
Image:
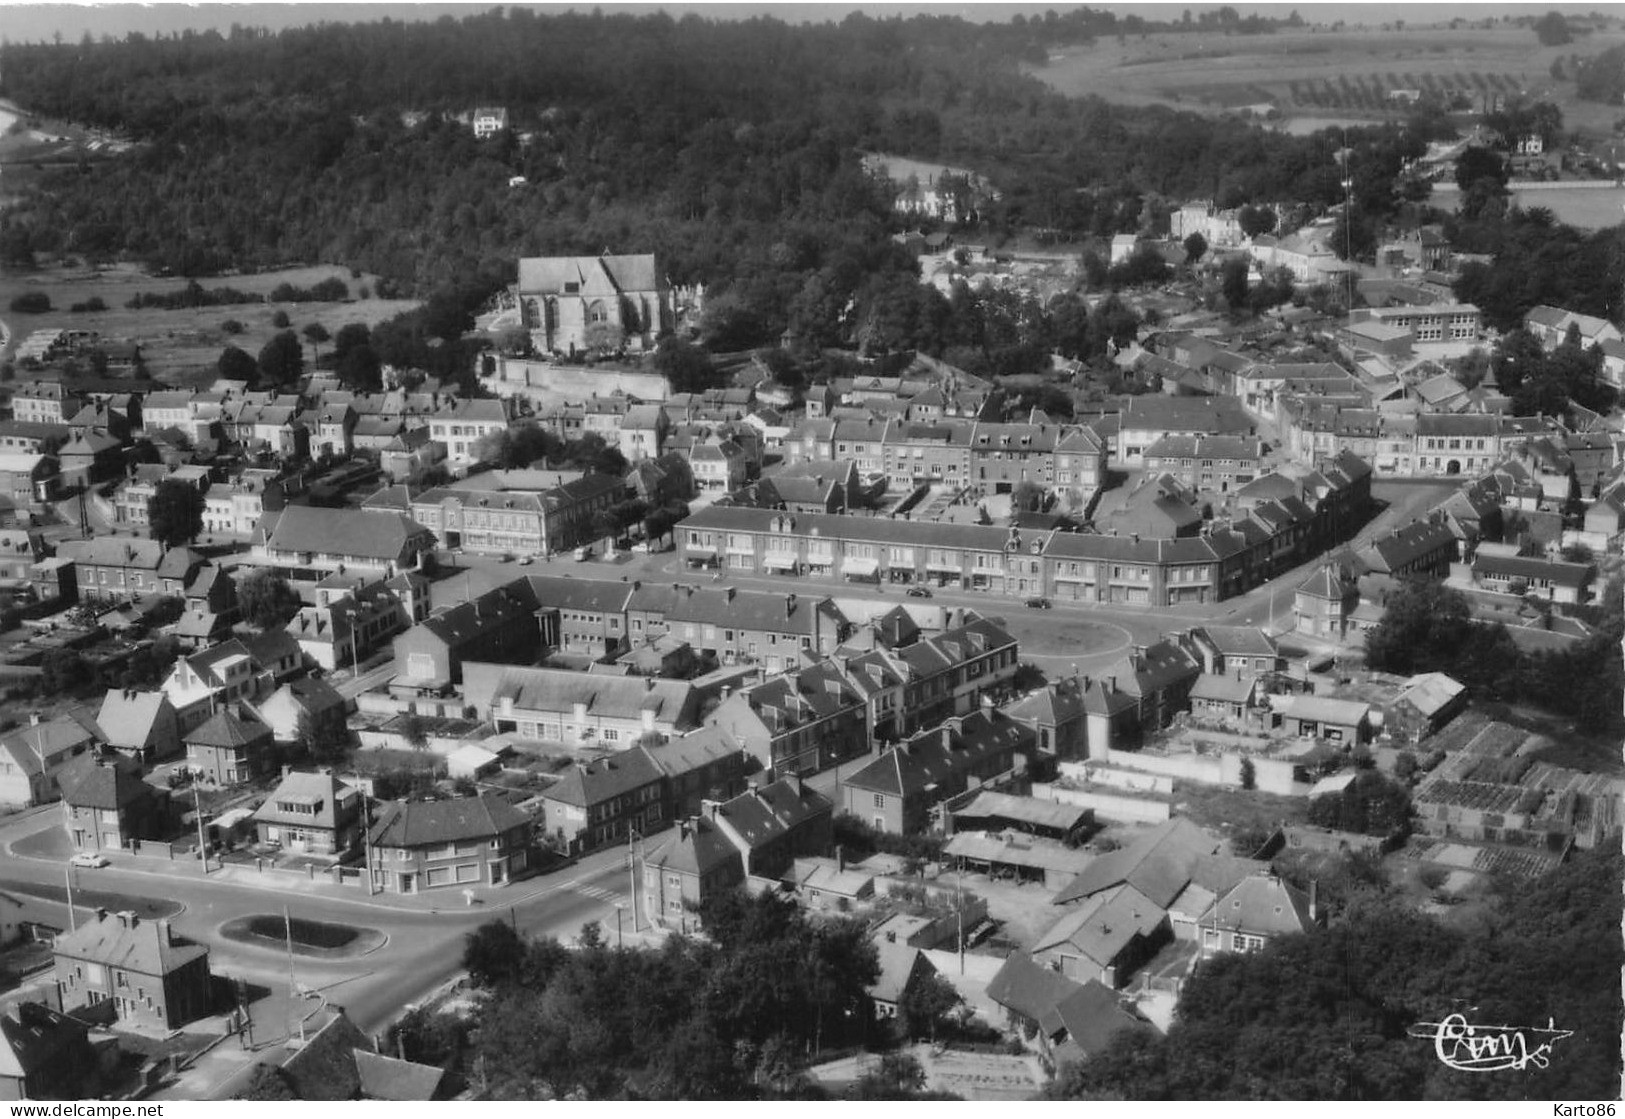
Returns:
(1027, 497)
(174, 513)
(282, 359)
(63, 672)
(280, 319)
(1423, 627)
(1255, 221)
(1195, 248)
(1233, 283)
(1371, 804)
(493, 954)
(926, 1003)
(267, 1083)
(31, 303)
(415, 731)
(235, 365)
(1553, 30)
(686, 366)
(315, 333)
(266, 599)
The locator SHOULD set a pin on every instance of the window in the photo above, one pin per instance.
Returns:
(880, 800)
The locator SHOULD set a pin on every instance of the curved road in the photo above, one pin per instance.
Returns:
(425, 932)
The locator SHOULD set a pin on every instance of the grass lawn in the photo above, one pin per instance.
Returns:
(188, 341)
(1226, 810)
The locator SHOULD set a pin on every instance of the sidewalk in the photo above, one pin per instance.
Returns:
(449, 900)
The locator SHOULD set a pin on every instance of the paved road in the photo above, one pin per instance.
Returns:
(422, 950)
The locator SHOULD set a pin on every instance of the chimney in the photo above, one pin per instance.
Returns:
(1314, 901)
(286, 769)
(1111, 685)
(101, 913)
(33, 718)
(165, 936)
(840, 858)
(126, 919)
(947, 737)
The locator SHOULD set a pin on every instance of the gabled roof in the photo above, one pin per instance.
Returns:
(1430, 692)
(389, 1078)
(1104, 925)
(769, 812)
(321, 790)
(123, 940)
(32, 1035)
(378, 534)
(127, 716)
(927, 760)
(697, 848)
(436, 822)
(1030, 989)
(105, 784)
(605, 779)
(1158, 864)
(1093, 1015)
(1261, 904)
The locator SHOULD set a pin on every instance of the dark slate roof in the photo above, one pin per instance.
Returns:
(226, 729)
(1158, 864)
(925, 760)
(32, 1036)
(435, 822)
(697, 848)
(605, 778)
(1093, 1015)
(764, 814)
(129, 942)
(110, 784)
(1029, 989)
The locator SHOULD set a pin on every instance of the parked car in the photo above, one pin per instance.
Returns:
(583, 553)
(919, 592)
(1039, 603)
(525, 561)
(88, 859)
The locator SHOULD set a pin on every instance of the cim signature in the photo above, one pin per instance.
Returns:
(1470, 1048)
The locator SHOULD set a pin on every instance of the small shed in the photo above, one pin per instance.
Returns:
(1342, 721)
(472, 762)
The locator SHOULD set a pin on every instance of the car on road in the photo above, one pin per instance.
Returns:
(1039, 603)
(525, 561)
(88, 859)
(919, 592)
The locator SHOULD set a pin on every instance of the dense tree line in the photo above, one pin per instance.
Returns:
(1537, 260)
(1428, 627)
(1327, 1015)
(728, 148)
(731, 1017)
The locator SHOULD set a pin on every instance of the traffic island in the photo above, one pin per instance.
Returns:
(317, 939)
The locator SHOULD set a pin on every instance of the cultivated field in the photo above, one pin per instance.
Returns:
(1322, 73)
(184, 344)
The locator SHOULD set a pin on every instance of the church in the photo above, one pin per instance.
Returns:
(575, 304)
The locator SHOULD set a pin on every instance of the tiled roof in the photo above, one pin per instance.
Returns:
(227, 730)
(605, 778)
(435, 822)
(123, 940)
(372, 534)
(1158, 864)
(104, 784)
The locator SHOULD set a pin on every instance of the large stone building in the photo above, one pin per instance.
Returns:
(562, 300)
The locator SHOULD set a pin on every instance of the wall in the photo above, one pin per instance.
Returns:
(1120, 808)
(522, 378)
(1132, 781)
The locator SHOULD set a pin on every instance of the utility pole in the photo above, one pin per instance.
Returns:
(202, 846)
(632, 873)
(366, 841)
(293, 983)
(73, 921)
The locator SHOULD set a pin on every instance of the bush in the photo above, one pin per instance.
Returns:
(94, 303)
(231, 326)
(280, 320)
(31, 303)
(1432, 877)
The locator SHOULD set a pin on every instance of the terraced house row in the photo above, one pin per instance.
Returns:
(1281, 520)
(993, 456)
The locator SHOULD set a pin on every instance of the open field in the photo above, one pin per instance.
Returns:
(183, 342)
(1344, 75)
